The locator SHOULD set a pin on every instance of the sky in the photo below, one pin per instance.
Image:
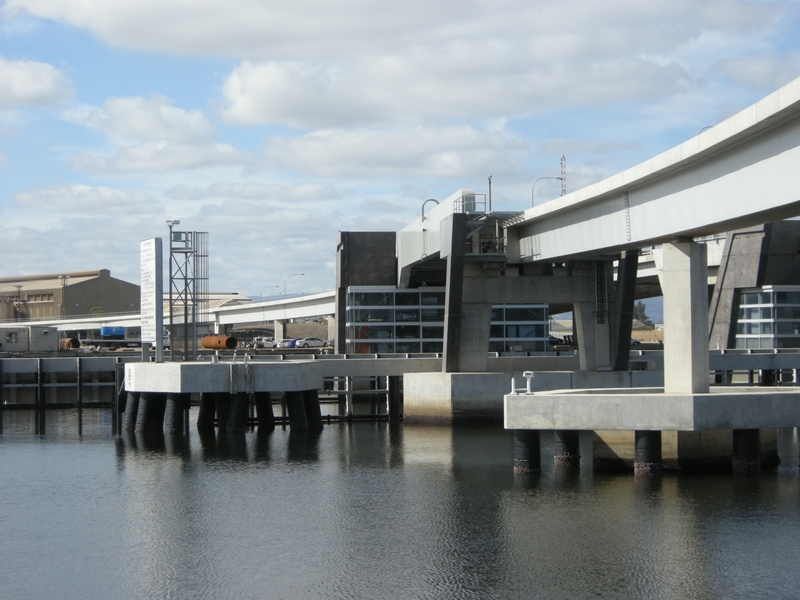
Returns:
(275, 125)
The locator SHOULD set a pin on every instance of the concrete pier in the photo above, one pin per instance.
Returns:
(207, 412)
(647, 459)
(566, 448)
(527, 452)
(131, 411)
(746, 451)
(238, 412)
(264, 413)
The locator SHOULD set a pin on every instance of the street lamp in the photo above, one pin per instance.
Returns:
(260, 297)
(537, 181)
(423, 206)
(287, 277)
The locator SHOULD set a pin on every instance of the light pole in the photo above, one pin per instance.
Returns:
(537, 181)
(287, 277)
(64, 279)
(423, 206)
(260, 297)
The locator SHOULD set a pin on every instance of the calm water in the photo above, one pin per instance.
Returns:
(373, 511)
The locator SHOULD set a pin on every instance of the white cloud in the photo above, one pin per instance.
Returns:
(31, 83)
(254, 191)
(434, 152)
(763, 71)
(144, 119)
(161, 156)
(79, 199)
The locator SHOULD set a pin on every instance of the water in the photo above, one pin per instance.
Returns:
(373, 511)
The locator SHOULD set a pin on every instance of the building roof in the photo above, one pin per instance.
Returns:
(49, 281)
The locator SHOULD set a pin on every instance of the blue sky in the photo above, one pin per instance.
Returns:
(274, 125)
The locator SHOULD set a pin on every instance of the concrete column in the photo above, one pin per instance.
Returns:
(237, 415)
(279, 330)
(205, 417)
(624, 299)
(131, 411)
(746, 451)
(395, 398)
(566, 448)
(312, 409)
(297, 411)
(173, 413)
(527, 451)
(150, 416)
(264, 414)
(685, 284)
(584, 324)
(647, 457)
(453, 231)
(221, 404)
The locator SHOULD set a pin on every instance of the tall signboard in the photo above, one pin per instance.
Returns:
(152, 299)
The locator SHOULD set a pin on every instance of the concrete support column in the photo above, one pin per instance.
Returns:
(205, 417)
(527, 451)
(221, 405)
(395, 401)
(264, 414)
(150, 416)
(453, 247)
(295, 406)
(131, 411)
(584, 322)
(237, 414)
(647, 457)
(746, 451)
(312, 409)
(279, 333)
(566, 448)
(624, 299)
(174, 411)
(685, 283)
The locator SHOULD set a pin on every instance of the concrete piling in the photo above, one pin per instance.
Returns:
(237, 416)
(312, 408)
(295, 405)
(566, 448)
(264, 414)
(527, 452)
(647, 455)
(221, 404)
(746, 451)
(150, 415)
(131, 412)
(207, 412)
(174, 413)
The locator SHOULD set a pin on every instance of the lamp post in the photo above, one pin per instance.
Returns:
(287, 277)
(533, 189)
(423, 206)
(260, 297)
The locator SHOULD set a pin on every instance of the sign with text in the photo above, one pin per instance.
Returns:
(152, 291)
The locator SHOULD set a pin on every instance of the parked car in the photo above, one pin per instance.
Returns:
(309, 342)
(287, 343)
(635, 342)
(554, 341)
(263, 342)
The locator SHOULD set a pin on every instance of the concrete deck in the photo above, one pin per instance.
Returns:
(651, 409)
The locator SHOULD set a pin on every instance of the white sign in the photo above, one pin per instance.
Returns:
(152, 290)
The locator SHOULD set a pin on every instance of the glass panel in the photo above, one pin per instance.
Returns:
(431, 346)
(406, 298)
(373, 332)
(433, 332)
(496, 331)
(524, 331)
(750, 313)
(380, 347)
(766, 328)
(787, 297)
(406, 314)
(751, 343)
(765, 298)
(766, 313)
(749, 298)
(790, 328)
(496, 346)
(740, 342)
(407, 332)
(740, 328)
(432, 298)
(497, 314)
(741, 313)
(767, 343)
(406, 347)
(371, 315)
(788, 342)
(751, 328)
(787, 312)
(432, 314)
(371, 299)
(525, 314)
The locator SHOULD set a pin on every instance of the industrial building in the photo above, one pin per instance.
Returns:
(66, 294)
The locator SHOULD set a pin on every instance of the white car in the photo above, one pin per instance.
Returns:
(309, 342)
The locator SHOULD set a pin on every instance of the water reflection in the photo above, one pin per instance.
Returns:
(375, 510)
